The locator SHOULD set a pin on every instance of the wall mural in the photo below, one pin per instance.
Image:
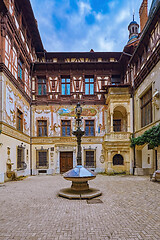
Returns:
(13, 101)
(54, 115)
(89, 111)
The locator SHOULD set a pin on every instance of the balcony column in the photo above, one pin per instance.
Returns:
(111, 122)
(128, 122)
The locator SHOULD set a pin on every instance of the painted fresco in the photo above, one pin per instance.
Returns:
(54, 115)
(87, 111)
(14, 101)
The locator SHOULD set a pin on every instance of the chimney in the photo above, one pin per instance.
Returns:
(143, 14)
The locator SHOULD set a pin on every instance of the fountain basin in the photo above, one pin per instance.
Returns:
(80, 187)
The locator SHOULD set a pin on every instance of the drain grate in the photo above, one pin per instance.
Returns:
(94, 201)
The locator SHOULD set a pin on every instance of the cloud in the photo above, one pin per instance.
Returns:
(112, 4)
(123, 15)
(84, 8)
(78, 25)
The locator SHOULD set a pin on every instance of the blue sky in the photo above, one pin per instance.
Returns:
(81, 25)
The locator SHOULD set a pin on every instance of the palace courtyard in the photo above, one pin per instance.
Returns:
(31, 209)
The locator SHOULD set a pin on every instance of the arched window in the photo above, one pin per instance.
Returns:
(118, 159)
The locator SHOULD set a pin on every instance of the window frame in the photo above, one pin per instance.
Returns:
(146, 108)
(94, 158)
(20, 162)
(38, 166)
(90, 125)
(65, 125)
(88, 84)
(118, 127)
(42, 84)
(43, 128)
(19, 118)
(65, 81)
(20, 69)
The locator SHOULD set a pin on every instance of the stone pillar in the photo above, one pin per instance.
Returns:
(109, 170)
(128, 122)
(111, 122)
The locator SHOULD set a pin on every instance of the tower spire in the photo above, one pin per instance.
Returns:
(133, 14)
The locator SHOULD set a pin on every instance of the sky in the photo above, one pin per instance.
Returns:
(82, 25)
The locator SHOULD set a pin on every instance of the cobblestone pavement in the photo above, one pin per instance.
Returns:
(31, 209)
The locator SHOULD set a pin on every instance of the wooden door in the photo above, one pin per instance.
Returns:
(66, 161)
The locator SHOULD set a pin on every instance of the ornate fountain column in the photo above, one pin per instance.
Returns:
(78, 133)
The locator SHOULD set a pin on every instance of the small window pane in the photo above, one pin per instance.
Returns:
(87, 89)
(63, 89)
(44, 89)
(92, 131)
(68, 131)
(63, 131)
(87, 130)
(92, 89)
(68, 89)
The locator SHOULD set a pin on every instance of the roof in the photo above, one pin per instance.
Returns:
(133, 37)
(153, 7)
(91, 55)
(26, 7)
(153, 17)
(133, 22)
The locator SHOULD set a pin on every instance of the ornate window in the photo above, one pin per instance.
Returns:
(89, 85)
(20, 69)
(19, 120)
(89, 127)
(118, 160)
(65, 86)
(42, 159)
(90, 159)
(42, 87)
(42, 128)
(66, 128)
(146, 108)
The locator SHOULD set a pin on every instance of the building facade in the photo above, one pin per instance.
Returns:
(118, 91)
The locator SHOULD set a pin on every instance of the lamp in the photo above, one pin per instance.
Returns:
(78, 109)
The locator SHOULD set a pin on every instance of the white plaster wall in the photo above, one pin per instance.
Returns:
(145, 154)
(100, 167)
(51, 158)
(12, 144)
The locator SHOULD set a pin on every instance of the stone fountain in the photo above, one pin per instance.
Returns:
(79, 175)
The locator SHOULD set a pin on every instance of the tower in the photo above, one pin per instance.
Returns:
(133, 30)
